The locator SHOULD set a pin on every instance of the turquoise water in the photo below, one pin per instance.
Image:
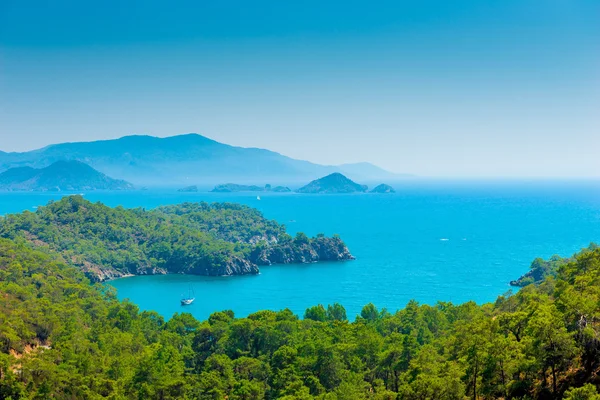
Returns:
(449, 241)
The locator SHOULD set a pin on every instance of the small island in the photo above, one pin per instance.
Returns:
(333, 183)
(383, 188)
(280, 189)
(189, 189)
(233, 187)
(60, 176)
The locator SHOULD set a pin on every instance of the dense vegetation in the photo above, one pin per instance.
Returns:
(540, 269)
(196, 238)
(226, 221)
(62, 338)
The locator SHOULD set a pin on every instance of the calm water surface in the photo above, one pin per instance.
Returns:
(449, 241)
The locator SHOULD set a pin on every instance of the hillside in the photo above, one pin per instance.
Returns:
(61, 337)
(333, 183)
(191, 238)
(60, 176)
(541, 269)
(184, 159)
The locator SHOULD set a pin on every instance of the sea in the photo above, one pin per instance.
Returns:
(433, 240)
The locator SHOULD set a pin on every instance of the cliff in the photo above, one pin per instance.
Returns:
(303, 250)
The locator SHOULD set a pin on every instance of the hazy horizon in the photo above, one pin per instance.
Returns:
(444, 89)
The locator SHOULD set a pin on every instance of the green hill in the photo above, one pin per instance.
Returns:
(192, 238)
(60, 176)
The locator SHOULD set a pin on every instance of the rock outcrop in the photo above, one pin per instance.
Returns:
(233, 266)
(317, 249)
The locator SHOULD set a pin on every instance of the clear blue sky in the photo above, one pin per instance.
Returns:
(440, 88)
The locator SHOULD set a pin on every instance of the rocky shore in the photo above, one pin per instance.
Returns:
(320, 249)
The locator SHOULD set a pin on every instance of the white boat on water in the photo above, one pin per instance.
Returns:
(187, 302)
(189, 299)
(257, 197)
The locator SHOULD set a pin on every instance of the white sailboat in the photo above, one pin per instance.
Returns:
(189, 299)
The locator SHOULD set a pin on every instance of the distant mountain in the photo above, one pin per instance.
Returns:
(383, 188)
(333, 183)
(59, 176)
(191, 158)
(233, 187)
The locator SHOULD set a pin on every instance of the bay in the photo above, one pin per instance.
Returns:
(432, 241)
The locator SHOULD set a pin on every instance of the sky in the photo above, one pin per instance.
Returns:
(462, 88)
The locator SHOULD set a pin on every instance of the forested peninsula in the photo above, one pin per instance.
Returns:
(191, 238)
(541, 269)
(64, 338)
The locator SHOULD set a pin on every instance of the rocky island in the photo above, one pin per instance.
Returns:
(189, 189)
(279, 189)
(333, 183)
(383, 188)
(60, 176)
(189, 238)
(233, 187)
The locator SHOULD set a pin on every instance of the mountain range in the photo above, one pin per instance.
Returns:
(190, 158)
